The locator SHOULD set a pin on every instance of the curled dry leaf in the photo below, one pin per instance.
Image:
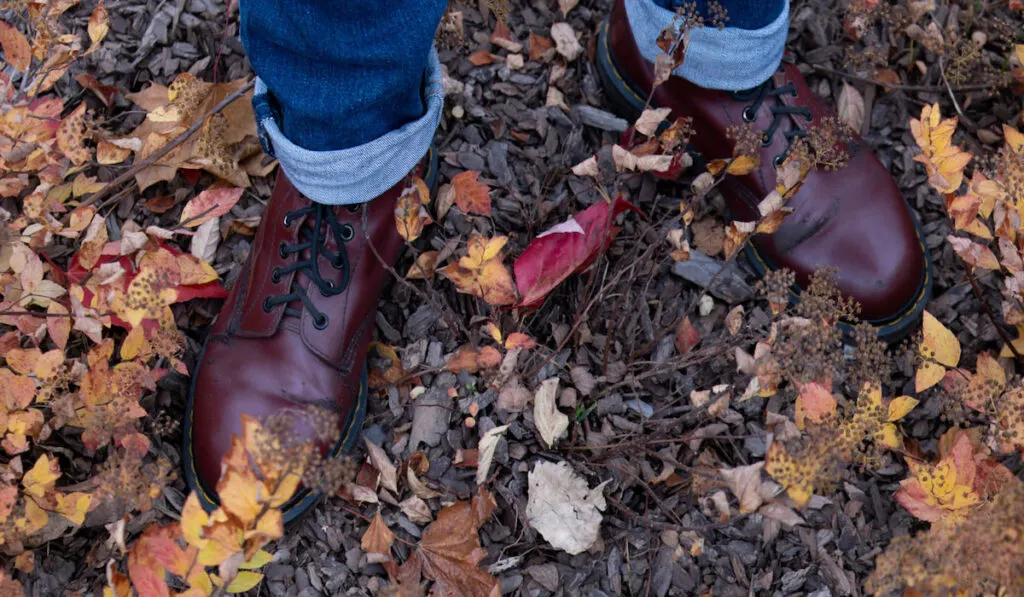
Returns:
(566, 43)
(851, 107)
(550, 422)
(973, 253)
(488, 443)
(650, 120)
(381, 462)
(562, 507)
(411, 215)
(747, 485)
(424, 266)
(734, 320)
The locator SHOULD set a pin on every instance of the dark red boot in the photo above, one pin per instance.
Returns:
(295, 329)
(854, 219)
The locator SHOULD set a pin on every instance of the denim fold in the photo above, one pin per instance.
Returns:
(729, 59)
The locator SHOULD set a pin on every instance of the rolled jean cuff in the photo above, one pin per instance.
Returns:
(356, 174)
(730, 59)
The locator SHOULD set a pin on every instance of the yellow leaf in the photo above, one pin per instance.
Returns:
(939, 343)
(928, 374)
(481, 272)
(743, 164)
(35, 518)
(899, 407)
(260, 559)
(238, 491)
(1014, 139)
(244, 581)
(38, 481)
(73, 506)
(193, 520)
(98, 23)
(888, 437)
(411, 215)
(133, 343)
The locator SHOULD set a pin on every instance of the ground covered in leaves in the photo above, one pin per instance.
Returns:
(614, 406)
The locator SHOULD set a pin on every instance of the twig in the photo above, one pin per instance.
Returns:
(166, 149)
(897, 86)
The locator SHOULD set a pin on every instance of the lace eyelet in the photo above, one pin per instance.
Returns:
(286, 221)
(777, 161)
(347, 233)
(749, 115)
(320, 322)
(275, 275)
(329, 284)
(280, 251)
(353, 207)
(765, 140)
(266, 305)
(808, 117)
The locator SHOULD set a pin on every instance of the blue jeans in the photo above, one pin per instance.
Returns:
(350, 93)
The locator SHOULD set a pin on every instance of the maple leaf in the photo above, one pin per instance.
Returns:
(940, 349)
(481, 272)
(411, 215)
(566, 249)
(450, 550)
(950, 489)
(471, 195)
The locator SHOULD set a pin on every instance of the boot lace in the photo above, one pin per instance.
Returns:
(780, 112)
(313, 243)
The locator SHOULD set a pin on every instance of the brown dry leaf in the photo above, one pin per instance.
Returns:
(378, 537)
(471, 195)
(851, 107)
(746, 484)
(17, 51)
(380, 461)
(483, 57)
(566, 5)
(551, 423)
(650, 120)
(708, 236)
(416, 510)
(734, 320)
(563, 508)
(736, 234)
(481, 272)
(450, 550)
(680, 246)
(540, 47)
(411, 215)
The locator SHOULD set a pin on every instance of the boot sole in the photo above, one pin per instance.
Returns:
(304, 500)
(628, 102)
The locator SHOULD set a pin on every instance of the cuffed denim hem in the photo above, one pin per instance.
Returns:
(729, 59)
(357, 174)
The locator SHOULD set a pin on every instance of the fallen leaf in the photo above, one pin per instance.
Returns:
(17, 51)
(814, 402)
(565, 249)
(481, 272)
(551, 423)
(686, 336)
(471, 195)
(850, 106)
(210, 204)
(486, 452)
(562, 508)
(650, 120)
(566, 43)
(973, 253)
(471, 359)
(380, 461)
(746, 484)
(98, 23)
(378, 537)
(940, 349)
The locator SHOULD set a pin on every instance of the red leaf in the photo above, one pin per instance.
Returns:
(566, 249)
(686, 336)
(106, 93)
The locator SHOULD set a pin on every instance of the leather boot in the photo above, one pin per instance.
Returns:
(854, 219)
(295, 328)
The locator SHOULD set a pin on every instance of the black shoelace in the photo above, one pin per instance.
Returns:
(312, 239)
(779, 112)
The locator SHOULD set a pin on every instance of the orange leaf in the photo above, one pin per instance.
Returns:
(484, 57)
(974, 254)
(17, 51)
(519, 340)
(471, 195)
(378, 537)
(472, 360)
(209, 204)
(815, 402)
